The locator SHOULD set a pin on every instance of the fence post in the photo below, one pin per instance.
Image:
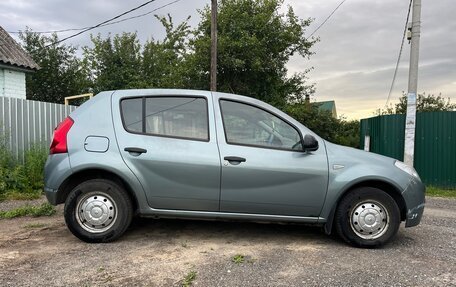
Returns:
(367, 142)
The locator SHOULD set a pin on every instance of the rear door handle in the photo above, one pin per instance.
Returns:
(135, 149)
(234, 158)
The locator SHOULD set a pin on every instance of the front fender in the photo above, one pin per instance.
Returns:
(350, 167)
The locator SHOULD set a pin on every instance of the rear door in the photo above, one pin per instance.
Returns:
(168, 140)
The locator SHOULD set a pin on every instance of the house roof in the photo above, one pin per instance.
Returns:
(12, 54)
(327, 105)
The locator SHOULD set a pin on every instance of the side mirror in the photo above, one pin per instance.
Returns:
(309, 143)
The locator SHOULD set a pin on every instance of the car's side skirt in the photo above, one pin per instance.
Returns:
(208, 215)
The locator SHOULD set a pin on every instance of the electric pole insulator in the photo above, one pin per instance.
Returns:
(409, 31)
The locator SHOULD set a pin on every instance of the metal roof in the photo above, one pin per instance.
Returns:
(12, 54)
(326, 105)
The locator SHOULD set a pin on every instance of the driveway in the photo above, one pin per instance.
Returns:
(42, 252)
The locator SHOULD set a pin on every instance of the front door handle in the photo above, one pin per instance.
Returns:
(135, 149)
(234, 159)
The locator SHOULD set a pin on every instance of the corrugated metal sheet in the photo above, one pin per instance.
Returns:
(435, 148)
(25, 122)
(435, 143)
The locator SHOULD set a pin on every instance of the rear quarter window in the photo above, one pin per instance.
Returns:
(132, 114)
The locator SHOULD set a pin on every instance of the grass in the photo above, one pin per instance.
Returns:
(440, 192)
(188, 279)
(21, 178)
(238, 259)
(44, 209)
(15, 195)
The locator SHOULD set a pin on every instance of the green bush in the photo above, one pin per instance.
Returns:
(6, 158)
(35, 158)
(21, 180)
(339, 131)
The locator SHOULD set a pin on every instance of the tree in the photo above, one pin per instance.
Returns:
(61, 73)
(322, 122)
(424, 103)
(114, 62)
(255, 42)
(163, 61)
(348, 133)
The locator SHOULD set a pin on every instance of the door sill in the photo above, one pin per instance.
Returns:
(210, 215)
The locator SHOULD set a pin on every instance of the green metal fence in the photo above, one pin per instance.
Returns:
(435, 143)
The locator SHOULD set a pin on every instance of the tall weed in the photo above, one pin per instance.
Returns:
(17, 179)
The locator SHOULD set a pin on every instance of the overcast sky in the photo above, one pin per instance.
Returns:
(353, 62)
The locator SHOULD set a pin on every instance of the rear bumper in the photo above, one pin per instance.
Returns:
(415, 202)
(56, 170)
(51, 195)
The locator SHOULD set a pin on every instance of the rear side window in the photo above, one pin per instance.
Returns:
(180, 117)
(132, 114)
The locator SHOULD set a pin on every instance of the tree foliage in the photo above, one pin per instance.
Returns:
(114, 62)
(424, 103)
(61, 72)
(322, 122)
(255, 42)
(164, 61)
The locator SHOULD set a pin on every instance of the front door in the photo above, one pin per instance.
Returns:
(169, 143)
(264, 170)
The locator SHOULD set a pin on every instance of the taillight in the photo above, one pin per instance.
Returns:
(59, 142)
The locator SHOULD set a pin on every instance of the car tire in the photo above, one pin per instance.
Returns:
(367, 217)
(98, 210)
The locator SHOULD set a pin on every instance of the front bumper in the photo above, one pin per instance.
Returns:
(414, 201)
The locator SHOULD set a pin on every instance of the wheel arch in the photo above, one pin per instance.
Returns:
(94, 173)
(383, 185)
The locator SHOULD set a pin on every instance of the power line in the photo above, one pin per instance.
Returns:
(327, 18)
(102, 23)
(399, 56)
(107, 24)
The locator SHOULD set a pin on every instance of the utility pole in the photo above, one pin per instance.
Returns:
(410, 118)
(213, 45)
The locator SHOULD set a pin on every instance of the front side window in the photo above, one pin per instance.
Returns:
(181, 117)
(248, 125)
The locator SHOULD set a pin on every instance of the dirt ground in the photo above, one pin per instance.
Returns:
(42, 252)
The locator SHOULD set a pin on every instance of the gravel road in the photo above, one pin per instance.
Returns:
(42, 252)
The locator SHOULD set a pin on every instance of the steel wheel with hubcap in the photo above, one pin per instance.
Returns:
(369, 220)
(98, 210)
(367, 217)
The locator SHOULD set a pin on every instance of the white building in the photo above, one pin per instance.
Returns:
(14, 64)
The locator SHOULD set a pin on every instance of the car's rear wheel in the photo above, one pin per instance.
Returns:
(367, 217)
(98, 210)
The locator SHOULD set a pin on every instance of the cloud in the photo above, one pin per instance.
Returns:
(355, 58)
(48, 15)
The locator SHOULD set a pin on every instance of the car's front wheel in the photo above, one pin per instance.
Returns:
(98, 210)
(367, 217)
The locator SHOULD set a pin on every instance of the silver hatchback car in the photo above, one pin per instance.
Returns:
(207, 155)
